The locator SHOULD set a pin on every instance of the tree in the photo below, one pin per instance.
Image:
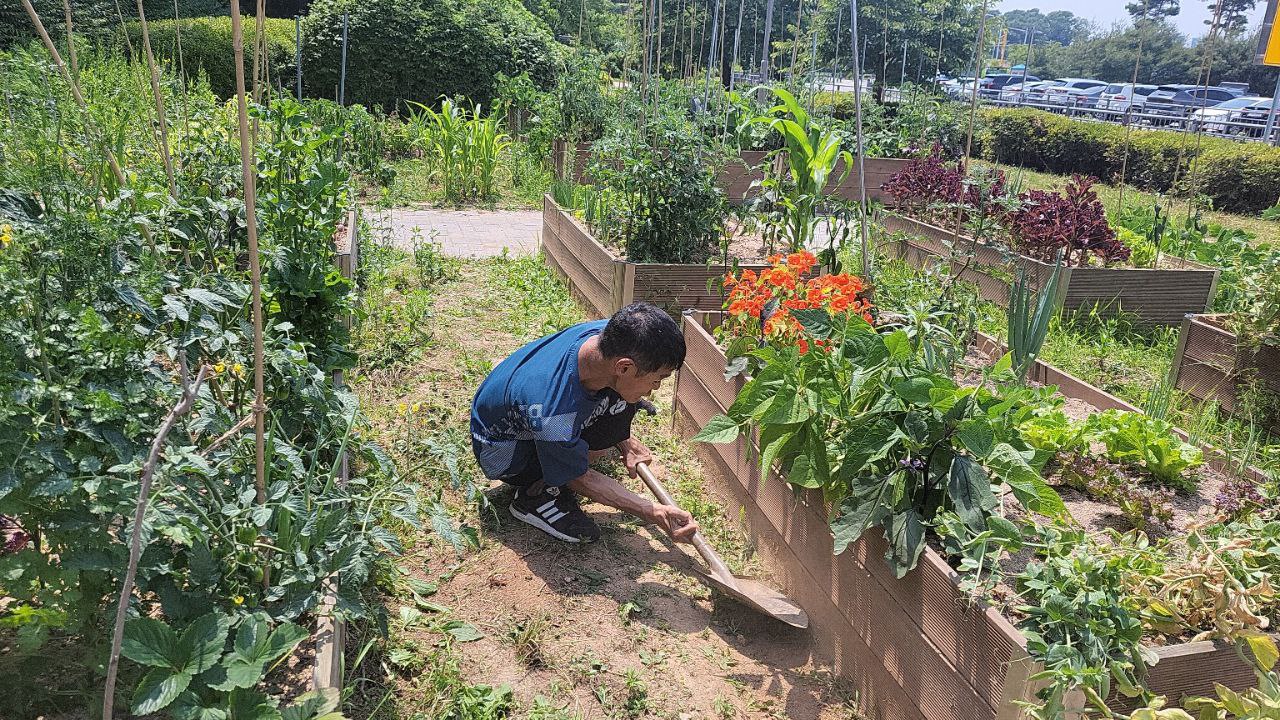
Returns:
(1141, 10)
(1233, 15)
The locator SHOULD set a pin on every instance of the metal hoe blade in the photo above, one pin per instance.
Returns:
(748, 591)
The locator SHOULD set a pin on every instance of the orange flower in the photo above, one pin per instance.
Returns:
(803, 345)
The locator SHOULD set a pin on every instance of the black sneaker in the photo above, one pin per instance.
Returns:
(555, 512)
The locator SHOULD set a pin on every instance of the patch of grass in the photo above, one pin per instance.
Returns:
(544, 709)
(534, 301)
(527, 637)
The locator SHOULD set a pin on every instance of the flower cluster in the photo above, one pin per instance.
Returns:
(760, 304)
(6, 236)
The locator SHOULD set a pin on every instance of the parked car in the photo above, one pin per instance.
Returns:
(1176, 101)
(1065, 93)
(991, 85)
(1223, 117)
(1125, 97)
(1088, 98)
(959, 88)
(1253, 119)
(1029, 92)
(1240, 89)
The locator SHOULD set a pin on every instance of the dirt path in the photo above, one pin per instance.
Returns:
(616, 629)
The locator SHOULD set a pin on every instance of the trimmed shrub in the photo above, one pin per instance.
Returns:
(95, 18)
(206, 46)
(419, 50)
(1236, 176)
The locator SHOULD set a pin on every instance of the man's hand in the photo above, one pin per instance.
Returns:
(677, 523)
(634, 451)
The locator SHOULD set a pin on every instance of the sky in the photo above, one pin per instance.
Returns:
(1190, 21)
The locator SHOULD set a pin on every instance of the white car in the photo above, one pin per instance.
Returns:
(1065, 94)
(1031, 92)
(1219, 118)
(1121, 97)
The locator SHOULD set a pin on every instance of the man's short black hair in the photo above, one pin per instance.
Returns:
(646, 334)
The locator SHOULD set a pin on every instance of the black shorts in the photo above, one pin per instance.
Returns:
(608, 430)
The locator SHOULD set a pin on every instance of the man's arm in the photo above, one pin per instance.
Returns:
(605, 490)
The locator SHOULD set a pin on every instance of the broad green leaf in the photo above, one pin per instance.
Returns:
(866, 441)
(203, 640)
(240, 673)
(719, 429)
(1026, 483)
(189, 706)
(1006, 531)
(209, 299)
(802, 473)
(976, 436)
(463, 632)
(249, 704)
(906, 541)
(1004, 364)
(899, 346)
(281, 642)
(315, 705)
(970, 491)
(865, 349)
(252, 635)
(858, 514)
(158, 688)
(816, 322)
(788, 408)
(773, 439)
(914, 390)
(148, 641)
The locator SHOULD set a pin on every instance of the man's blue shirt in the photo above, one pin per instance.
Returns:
(532, 403)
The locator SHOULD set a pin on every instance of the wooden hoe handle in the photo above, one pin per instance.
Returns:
(717, 565)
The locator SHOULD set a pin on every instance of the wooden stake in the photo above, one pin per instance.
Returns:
(71, 41)
(248, 173)
(162, 124)
(189, 392)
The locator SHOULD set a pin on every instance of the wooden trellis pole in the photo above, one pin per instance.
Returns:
(71, 41)
(864, 243)
(161, 124)
(248, 173)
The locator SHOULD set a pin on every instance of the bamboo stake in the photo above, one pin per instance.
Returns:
(864, 246)
(247, 171)
(71, 41)
(189, 392)
(162, 124)
(1128, 126)
(259, 52)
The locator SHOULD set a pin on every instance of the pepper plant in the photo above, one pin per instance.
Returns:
(888, 442)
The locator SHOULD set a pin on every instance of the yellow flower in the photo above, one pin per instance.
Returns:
(219, 368)
(238, 370)
(401, 407)
(6, 236)
(417, 407)
(238, 599)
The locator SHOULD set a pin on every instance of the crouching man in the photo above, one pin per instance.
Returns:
(557, 404)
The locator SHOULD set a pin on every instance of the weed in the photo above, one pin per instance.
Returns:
(527, 638)
(724, 708)
(637, 702)
(544, 709)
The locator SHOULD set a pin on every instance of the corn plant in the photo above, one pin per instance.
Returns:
(463, 147)
(812, 154)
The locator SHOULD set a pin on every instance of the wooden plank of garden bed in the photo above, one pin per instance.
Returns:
(579, 261)
(876, 608)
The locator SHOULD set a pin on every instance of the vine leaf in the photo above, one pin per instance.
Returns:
(719, 429)
(970, 490)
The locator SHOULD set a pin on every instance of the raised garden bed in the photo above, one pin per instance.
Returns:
(330, 635)
(608, 283)
(1154, 296)
(915, 647)
(1210, 364)
(738, 175)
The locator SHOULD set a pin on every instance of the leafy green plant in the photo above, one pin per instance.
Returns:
(1027, 326)
(1053, 433)
(812, 155)
(190, 671)
(889, 442)
(1258, 703)
(1145, 442)
(463, 147)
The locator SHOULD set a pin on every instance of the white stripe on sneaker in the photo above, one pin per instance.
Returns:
(550, 503)
(556, 518)
(539, 523)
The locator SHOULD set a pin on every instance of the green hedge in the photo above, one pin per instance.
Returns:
(421, 49)
(206, 46)
(1237, 176)
(94, 19)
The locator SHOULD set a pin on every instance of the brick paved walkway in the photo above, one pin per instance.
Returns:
(465, 233)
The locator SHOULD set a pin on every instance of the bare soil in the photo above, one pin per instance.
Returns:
(567, 623)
